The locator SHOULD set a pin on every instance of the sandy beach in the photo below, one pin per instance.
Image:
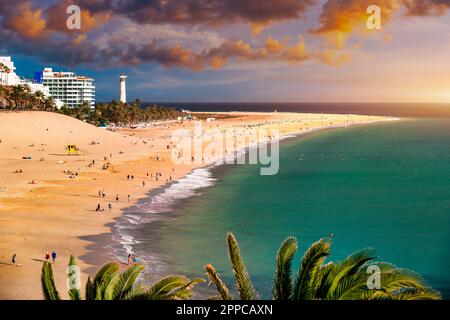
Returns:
(48, 198)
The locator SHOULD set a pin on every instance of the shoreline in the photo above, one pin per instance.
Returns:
(58, 207)
(97, 249)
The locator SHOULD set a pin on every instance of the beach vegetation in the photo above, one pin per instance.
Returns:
(349, 279)
(21, 98)
(109, 283)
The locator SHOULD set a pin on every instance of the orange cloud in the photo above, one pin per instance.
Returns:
(296, 53)
(273, 45)
(28, 22)
(57, 18)
(339, 18)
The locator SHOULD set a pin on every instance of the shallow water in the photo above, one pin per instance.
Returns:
(385, 186)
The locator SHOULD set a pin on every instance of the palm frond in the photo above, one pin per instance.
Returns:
(324, 278)
(103, 276)
(106, 271)
(401, 278)
(353, 287)
(48, 283)
(162, 289)
(282, 283)
(123, 283)
(220, 285)
(89, 290)
(244, 284)
(312, 260)
(428, 294)
(349, 266)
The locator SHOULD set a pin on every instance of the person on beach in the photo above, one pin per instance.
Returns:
(117, 197)
(132, 177)
(98, 207)
(103, 194)
(128, 198)
(47, 256)
(13, 259)
(54, 256)
(143, 184)
(128, 177)
(130, 257)
(110, 206)
(135, 260)
(99, 193)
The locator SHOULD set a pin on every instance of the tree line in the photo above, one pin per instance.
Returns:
(20, 97)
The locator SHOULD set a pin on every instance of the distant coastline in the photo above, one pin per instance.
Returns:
(413, 110)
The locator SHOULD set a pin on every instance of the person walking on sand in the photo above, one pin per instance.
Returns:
(47, 256)
(117, 197)
(54, 256)
(110, 206)
(13, 259)
(130, 257)
(98, 207)
(128, 198)
(143, 184)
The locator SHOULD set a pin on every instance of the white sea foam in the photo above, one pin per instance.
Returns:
(182, 189)
(153, 210)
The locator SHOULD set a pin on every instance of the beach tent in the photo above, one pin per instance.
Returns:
(71, 149)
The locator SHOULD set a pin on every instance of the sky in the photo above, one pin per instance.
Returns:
(239, 50)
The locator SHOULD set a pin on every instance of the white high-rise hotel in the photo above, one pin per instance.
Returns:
(68, 87)
(65, 87)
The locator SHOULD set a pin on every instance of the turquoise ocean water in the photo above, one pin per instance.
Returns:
(385, 186)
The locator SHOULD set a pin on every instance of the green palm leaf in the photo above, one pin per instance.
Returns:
(103, 276)
(244, 284)
(352, 287)
(123, 283)
(349, 266)
(162, 289)
(48, 283)
(316, 254)
(324, 279)
(282, 283)
(419, 295)
(89, 290)
(221, 287)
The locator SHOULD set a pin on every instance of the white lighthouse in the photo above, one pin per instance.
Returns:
(123, 89)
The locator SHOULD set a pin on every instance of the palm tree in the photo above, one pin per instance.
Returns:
(111, 284)
(344, 280)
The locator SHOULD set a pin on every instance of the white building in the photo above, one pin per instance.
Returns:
(8, 76)
(123, 89)
(68, 87)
